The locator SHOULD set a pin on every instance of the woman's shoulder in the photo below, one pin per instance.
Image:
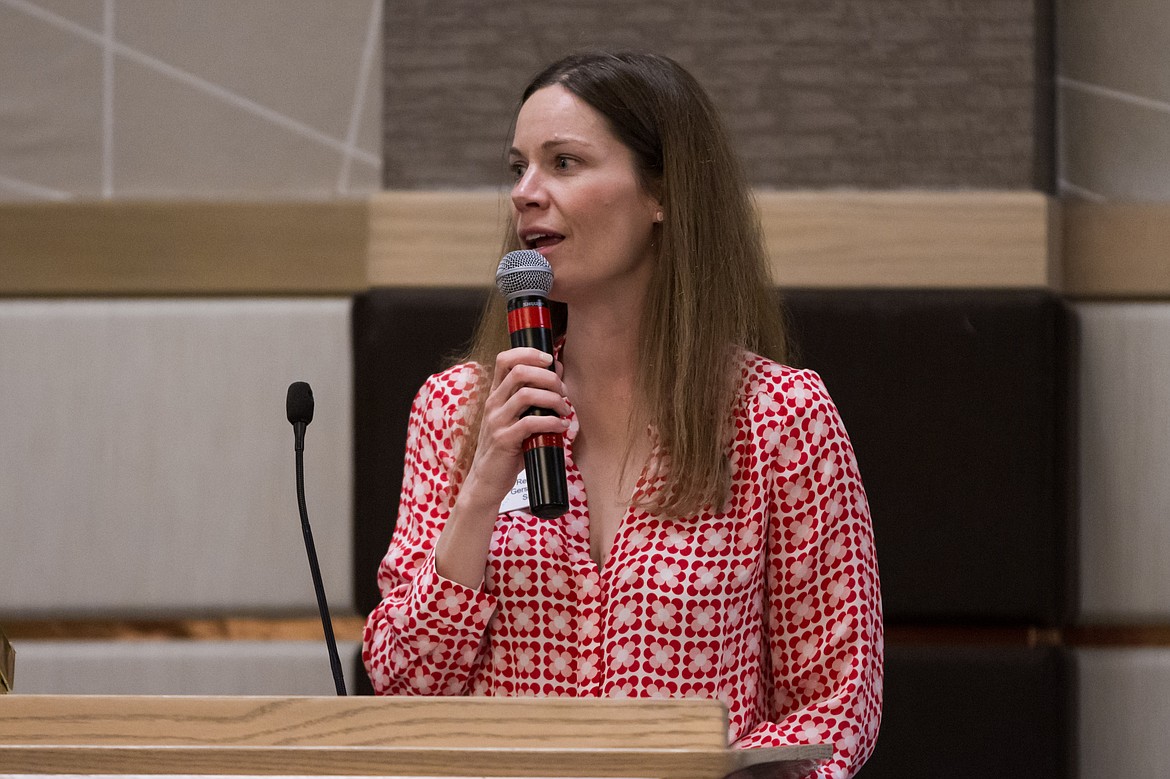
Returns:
(779, 403)
(765, 382)
(456, 375)
(760, 374)
(451, 386)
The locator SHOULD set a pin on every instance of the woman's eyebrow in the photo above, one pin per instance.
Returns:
(552, 144)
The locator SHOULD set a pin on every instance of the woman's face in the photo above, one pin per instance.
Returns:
(577, 198)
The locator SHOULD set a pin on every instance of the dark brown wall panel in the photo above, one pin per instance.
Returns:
(956, 404)
(866, 93)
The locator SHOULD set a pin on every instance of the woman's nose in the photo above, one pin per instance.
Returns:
(528, 191)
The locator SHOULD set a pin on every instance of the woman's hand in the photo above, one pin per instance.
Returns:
(522, 380)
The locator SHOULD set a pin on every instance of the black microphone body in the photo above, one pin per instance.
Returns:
(544, 455)
(299, 407)
(525, 278)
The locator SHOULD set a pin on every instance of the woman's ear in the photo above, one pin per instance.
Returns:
(657, 211)
(653, 189)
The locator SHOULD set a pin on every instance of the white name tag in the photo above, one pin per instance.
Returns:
(517, 497)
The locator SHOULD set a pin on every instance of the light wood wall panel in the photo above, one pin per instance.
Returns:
(911, 239)
(997, 239)
(1124, 451)
(1117, 250)
(148, 465)
(183, 248)
(816, 239)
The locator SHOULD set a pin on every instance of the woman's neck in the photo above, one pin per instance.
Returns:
(602, 352)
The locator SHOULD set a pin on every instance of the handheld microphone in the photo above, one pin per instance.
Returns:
(299, 407)
(525, 278)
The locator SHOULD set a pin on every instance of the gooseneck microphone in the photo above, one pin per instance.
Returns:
(299, 407)
(525, 278)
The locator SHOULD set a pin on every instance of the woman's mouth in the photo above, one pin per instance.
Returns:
(541, 239)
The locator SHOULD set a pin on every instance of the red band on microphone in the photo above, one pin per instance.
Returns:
(529, 317)
(543, 439)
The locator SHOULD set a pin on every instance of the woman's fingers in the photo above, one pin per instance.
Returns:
(522, 381)
(520, 356)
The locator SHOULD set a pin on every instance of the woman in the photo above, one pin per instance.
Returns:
(718, 540)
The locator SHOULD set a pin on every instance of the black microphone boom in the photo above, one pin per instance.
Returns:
(525, 278)
(299, 406)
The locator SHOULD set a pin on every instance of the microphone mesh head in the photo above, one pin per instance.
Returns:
(524, 272)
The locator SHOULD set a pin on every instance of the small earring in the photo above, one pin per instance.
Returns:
(658, 217)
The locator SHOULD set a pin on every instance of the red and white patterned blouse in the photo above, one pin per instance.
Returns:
(771, 606)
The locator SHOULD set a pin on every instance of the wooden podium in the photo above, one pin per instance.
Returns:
(363, 736)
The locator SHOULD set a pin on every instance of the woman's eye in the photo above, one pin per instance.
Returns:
(563, 162)
(517, 170)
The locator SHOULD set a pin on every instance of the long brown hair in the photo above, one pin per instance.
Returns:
(711, 292)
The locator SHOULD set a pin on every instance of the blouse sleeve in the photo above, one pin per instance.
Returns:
(427, 634)
(824, 632)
